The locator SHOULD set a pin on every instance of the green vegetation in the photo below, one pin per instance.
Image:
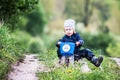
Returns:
(109, 70)
(36, 45)
(97, 41)
(114, 49)
(9, 14)
(10, 51)
(36, 21)
(22, 39)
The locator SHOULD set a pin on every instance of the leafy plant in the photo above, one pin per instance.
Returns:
(15, 8)
(36, 21)
(9, 51)
(22, 39)
(114, 49)
(98, 41)
(36, 45)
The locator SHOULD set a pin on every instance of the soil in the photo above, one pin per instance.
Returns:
(26, 70)
(117, 60)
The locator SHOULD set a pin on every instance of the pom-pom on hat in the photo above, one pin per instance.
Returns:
(69, 23)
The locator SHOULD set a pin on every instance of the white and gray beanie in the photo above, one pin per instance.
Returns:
(69, 23)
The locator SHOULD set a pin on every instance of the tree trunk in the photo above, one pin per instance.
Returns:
(86, 10)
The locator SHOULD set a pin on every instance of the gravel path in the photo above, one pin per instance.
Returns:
(26, 70)
(117, 60)
(85, 68)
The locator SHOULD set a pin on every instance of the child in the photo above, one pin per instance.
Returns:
(72, 36)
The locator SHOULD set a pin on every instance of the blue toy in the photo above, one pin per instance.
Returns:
(67, 48)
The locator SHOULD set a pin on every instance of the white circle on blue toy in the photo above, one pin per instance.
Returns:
(66, 47)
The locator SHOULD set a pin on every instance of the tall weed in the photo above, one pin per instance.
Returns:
(9, 51)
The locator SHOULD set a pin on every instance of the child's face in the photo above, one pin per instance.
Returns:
(69, 31)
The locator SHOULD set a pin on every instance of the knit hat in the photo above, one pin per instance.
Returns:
(69, 23)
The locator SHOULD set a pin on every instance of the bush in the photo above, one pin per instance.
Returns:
(4, 68)
(7, 45)
(9, 51)
(22, 38)
(36, 21)
(99, 41)
(49, 41)
(114, 49)
(36, 45)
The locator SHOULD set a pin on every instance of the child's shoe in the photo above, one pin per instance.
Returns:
(97, 61)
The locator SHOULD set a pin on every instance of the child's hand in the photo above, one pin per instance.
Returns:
(77, 43)
(59, 43)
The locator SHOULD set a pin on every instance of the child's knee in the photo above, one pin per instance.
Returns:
(87, 50)
(87, 53)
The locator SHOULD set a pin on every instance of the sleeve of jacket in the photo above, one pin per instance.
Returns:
(80, 39)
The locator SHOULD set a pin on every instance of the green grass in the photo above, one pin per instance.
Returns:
(109, 71)
(10, 51)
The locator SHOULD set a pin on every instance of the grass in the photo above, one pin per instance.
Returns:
(110, 70)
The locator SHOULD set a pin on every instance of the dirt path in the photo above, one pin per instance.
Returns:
(117, 60)
(26, 70)
(85, 68)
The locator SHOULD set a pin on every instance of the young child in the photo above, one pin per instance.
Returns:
(72, 36)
